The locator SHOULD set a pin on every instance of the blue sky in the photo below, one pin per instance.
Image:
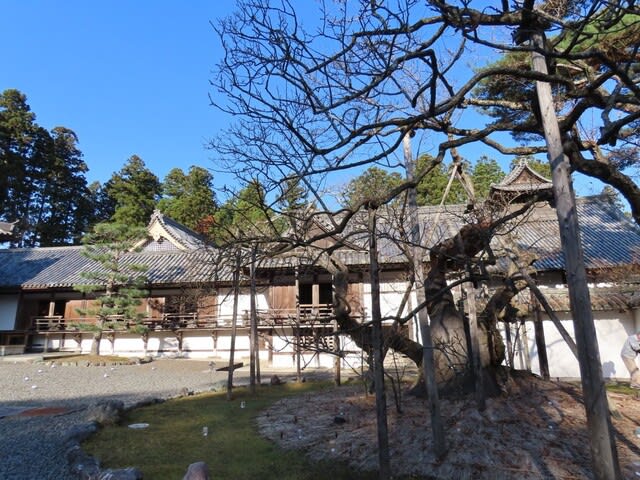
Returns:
(129, 77)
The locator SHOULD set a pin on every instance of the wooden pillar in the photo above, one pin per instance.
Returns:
(338, 358)
(604, 455)
(254, 367)
(384, 458)
(428, 364)
(475, 346)
(297, 345)
(541, 343)
(507, 334)
(234, 326)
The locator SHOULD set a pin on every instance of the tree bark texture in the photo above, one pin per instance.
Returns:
(602, 441)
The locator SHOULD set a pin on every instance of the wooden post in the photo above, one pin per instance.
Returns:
(254, 355)
(541, 344)
(549, 311)
(338, 358)
(297, 326)
(234, 326)
(428, 366)
(475, 346)
(507, 334)
(604, 455)
(384, 458)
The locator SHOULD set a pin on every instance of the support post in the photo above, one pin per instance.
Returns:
(604, 455)
(428, 365)
(384, 457)
(234, 325)
(475, 346)
(541, 343)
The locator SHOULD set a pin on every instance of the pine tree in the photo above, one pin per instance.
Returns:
(485, 172)
(119, 282)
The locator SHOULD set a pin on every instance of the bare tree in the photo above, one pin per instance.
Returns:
(319, 100)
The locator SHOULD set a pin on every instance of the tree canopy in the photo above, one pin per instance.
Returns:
(373, 184)
(188, 198)
(134, 192)
(365, 74)
(43, 186)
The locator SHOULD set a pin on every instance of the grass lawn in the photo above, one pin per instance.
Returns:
(232, 448)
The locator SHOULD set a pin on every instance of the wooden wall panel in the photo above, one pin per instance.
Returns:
(282, 297)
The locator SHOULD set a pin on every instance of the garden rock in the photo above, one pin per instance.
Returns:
(197, 471)
(106, 413)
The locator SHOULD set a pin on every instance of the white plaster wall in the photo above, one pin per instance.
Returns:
(8, 309)
(244, 304)
(391, 294)
(612, 329)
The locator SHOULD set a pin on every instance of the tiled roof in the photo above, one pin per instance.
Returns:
(602, 299)
(60, 267)
(523, 179)
(176, 233)
(609, 239)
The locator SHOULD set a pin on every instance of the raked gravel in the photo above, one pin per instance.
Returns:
(33, 447)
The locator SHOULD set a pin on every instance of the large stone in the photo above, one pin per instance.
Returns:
(197, 471)
(107, 412)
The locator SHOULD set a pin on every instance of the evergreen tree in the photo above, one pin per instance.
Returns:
(485, 172)
(135, 191)
(431, 188)
(293, 196)
(104, 206)
(188, 198)
(373, 184)
(119, 282)
(66, 208)
(43, 185)
(246, 215)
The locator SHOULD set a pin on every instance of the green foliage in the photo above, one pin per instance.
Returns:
(293, 196)
(42, 182)
(432, 187)
(188, 198)
(246, 215)
(614, 38)
(119, 282)
(134, 191)
(373, 184)
(485, 172)
(233, 448)
(509, 87)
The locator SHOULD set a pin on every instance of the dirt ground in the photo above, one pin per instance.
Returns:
(535, 430)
